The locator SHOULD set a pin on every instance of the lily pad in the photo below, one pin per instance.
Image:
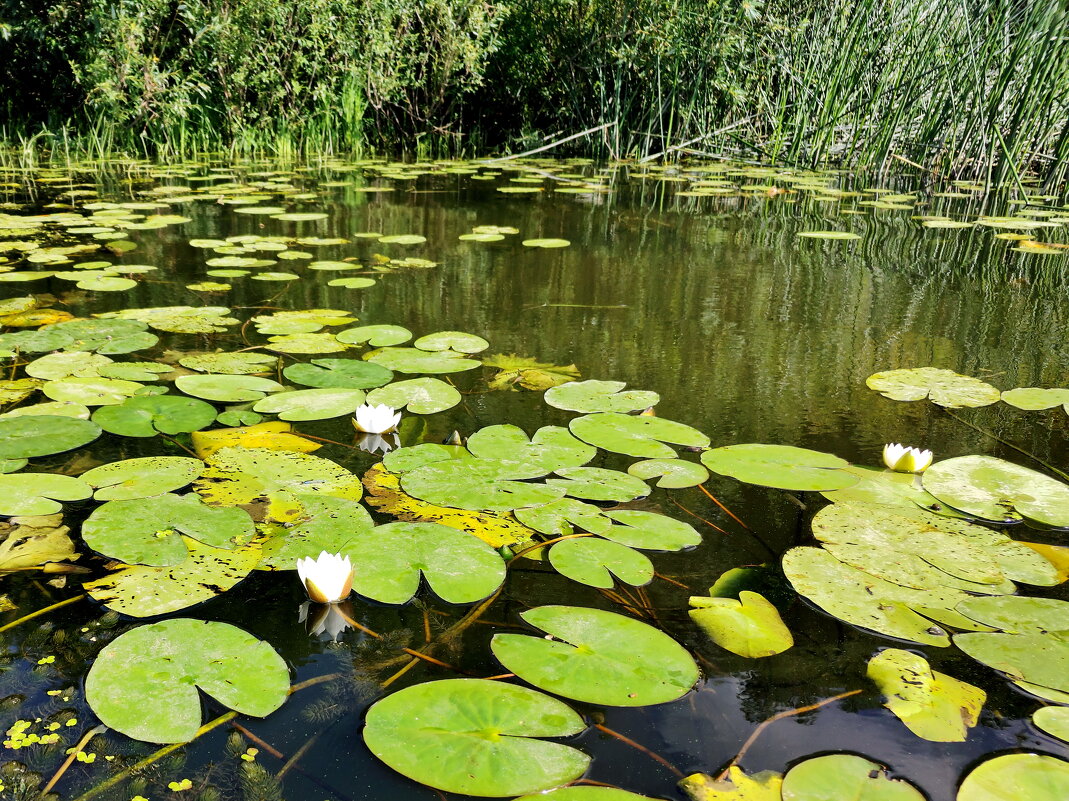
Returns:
(452, 340)
(378, 336)
(636, 435)
(595, 562)
(545, 243)
(227, 388)
(92, 391)
(306, 343)
(414, 360)
(933, 705)
(419, 395)
(161, 666)
(338, 373)
(144, 477)
(476, 737)
(1014, 777)
(599, 484)
(324, 523)
(42, 435)
(550, 448)
(1035, 398)
(230, 363)
(1054, 720)
(842, 776)
(887, 488)
(490, 485)
(943, 387)
(997, 490)
(57, 366)
(763, 786)
(841, 235)
(599, 396)
(31, 542)
(39, 493)
(563, 517)
(273, 435)
(650, 531)
(148, 416)
(780, 466)
(673, 473)
(586, 794)
(136, 532)
(312, 404)
(598, 657)
(750, 626)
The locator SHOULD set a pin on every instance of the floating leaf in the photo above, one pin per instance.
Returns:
(546, 243)
(600, 396)
(227, 388)
(1015, 777)
(650, 531)
(674, 473)
(997, 490)
(887, 488)
(141, 478)
(750, 626)
(550, 448)
(452, 340)
(230, 363)
(636, 435)
(136, 532)
(177, 319)
(134, 371)
(378, 336)
(324, 523)
(763, 786)
(1054, 720)
(338, 373)
(933, 705)
(403, 239)
(306, 343)
(528, 373)
(595, 562)
(842, 776)
(42, 435)
(414, 360)
(476, 737)
(39, 493)
(161, 666)
(599, 484)
(356, 282)
(90, 391)
(598, 657)
(780, 466)
(841, 235)
(274, 435)
(312, 404)
(489, 485)
(1034, 398)
(145, 591)
(56, 366)
(563, 516)
(943, 387)
(30, 542)
(147, 416)
(419, 395)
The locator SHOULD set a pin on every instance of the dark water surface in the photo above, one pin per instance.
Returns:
(748, 333)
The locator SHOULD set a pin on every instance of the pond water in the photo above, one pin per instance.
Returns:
(748, 333)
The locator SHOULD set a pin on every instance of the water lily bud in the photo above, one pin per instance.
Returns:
(904, 459)
(327, 579)
(378, 419)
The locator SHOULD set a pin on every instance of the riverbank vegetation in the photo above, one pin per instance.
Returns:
(979, 87)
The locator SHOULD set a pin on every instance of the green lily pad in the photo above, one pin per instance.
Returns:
(476, 737)
(842, 776)
(419, 395)
(943, 387)
(563, 517)
(136, 532)
(599, 484)
(57, 408)
(39, 493)
(325, 524)
(403, 239)
(599, 396)
(377, 336)
(1016, 614)
(301, 321)
(650, 531)
(338, 373)
(134, 371)
(142, 478)
(636, 435)
(1054, 720)
(673, 473)
(57, 366)
(161, 666)
(414, 360)
(780, 466)
(550, 448)
(452, 340)
(236, 475)
(146, 416)
(230, 363)
(887, 488)
(177, 319)
(91, 391)
(749, 626)
(598, 657)
(491, 485)
(545, 243)
(355, 282)
(227, 388)
(595, 562)
(389, 560)
(43, 435)
(306, 343)
(1015, 777)
(312, 404)
(933, 705)
(146, 591)
(1035, 398)
(841, 235)
(997, 490)
(300, 216)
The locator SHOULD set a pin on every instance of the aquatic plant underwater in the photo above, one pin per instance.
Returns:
(157, 458)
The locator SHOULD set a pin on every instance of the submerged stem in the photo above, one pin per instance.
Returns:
(40, 612)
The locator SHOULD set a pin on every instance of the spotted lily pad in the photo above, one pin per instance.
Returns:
(994, 489)
(598, 657)
(161, 667)
(887, 488)
(148, 416)
(636, 435)
(42, 435)
(842, 776)
(933, 705)
(39, 493)
(476, 737)
(943, 387)
(378, 336)
(599, 396)
(227, 388)
(142, 478)
(780, 466)
(1015, 777)
(414, 360)
(323, 523)
(241, 363)
(312, 404)
(749, 626)
(338, 373)
(595, 562)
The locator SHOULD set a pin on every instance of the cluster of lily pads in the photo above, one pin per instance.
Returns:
(914, 559)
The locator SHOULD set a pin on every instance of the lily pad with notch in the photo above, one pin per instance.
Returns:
(227, 388)
(749, 626)
(635, 435)
(414, 360)
(592, 396)
(649, 531)
(377, 336)
(843, 776)
(312, 404)
(671, 473)
(780, 466)
(419, 395)
(42, 435)
(943, 387)
(457, 341)
(142, 477)
(147, 416)
(39, 493)
(338, 373)
(595, 562)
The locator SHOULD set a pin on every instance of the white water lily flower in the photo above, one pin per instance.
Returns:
(328, 578)
(378, 419)
(903, 459)
(378, 443)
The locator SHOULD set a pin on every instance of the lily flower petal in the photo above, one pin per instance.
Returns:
(378, 419)
(327, 579)
(905, 459)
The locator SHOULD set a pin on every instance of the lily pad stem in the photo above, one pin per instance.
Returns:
(89, 735)
(40, 612)
(638, 746)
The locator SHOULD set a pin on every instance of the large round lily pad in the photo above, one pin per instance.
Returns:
(378, 336)
(670, 473)
(42, 435)
(146, 416)
(994, 489)
(598, 657)
(227, 388)
(476, 737)
(1017, 777)
(39, 493)
(650, 531)
(550, 448)
(457, 341)
(943, 387)
(419, 395)
(599, 484)
(237, 475)
(589, 397)
(142, 478)
(414, 360)
(144, 683)
(595, 562)
(312, 404)
(636, 435)
(338, 373)
(842, 776)
(780, 466)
